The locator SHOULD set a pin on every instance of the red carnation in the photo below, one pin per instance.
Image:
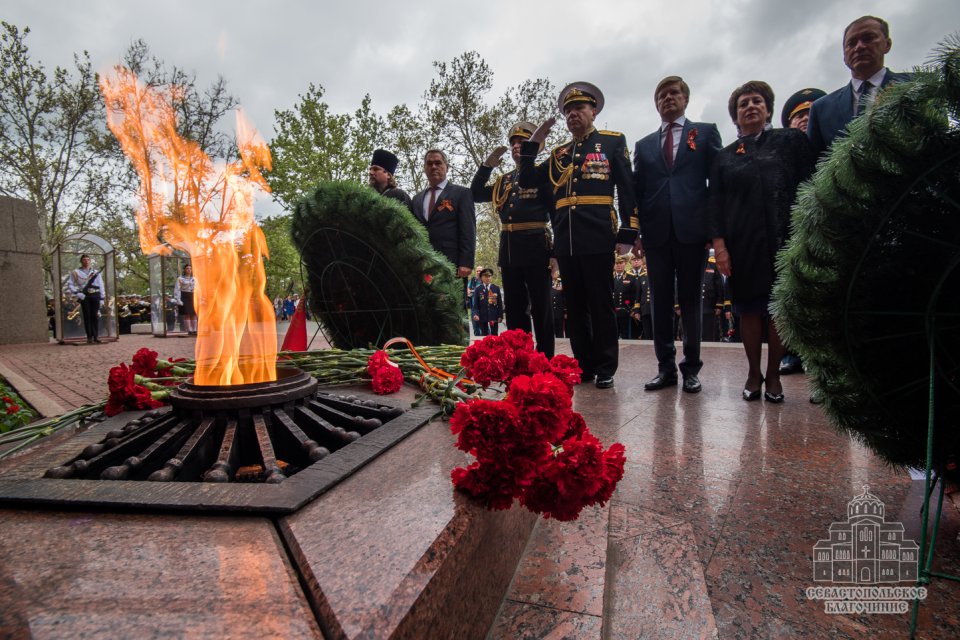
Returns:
(12, 408)
(566, 369)
(427, 278)
(125, 393)
(145, 363)
(543, 402)
(517, 339)
(484, 485)
(581, 474)
(385, 376)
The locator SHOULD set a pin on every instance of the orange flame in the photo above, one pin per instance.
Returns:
(188, 202)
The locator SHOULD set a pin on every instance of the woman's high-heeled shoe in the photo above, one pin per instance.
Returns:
(774, 398)
(750, 396)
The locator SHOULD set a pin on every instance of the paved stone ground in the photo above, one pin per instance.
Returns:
(710, 532)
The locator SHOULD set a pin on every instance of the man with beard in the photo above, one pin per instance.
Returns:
(525, 249)
(380, 177)
(583, 174)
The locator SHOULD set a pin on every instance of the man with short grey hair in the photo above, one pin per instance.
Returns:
(447, 211)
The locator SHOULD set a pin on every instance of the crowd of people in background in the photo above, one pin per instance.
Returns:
(677, 244)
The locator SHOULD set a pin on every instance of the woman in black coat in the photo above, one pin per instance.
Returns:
(753, 184)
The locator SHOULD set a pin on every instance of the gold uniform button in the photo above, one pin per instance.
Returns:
(576, 155)
(575, 179)
(511, 205)
(579, 144)
(572, 207)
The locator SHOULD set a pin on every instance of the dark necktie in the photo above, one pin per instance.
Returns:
(433, 203)
(668, 145)
(864, 97)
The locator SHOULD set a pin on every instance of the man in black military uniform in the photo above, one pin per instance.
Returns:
(525, 245)
(626, 299)
(380, 176)
(583, 174)
(487, 305)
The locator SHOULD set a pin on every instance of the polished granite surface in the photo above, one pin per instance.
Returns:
(711, 531)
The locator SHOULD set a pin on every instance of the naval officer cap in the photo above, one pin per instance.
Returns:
(523, 130)
(580, 92)
(799, 102)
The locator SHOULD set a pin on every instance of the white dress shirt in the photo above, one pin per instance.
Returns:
(426, 198)
(677, 134)
(876, 80)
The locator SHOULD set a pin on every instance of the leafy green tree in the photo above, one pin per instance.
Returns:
(283, 267)
(314, 144)
(466, 122)
(199, 111)
(54, 144)
(405, 134)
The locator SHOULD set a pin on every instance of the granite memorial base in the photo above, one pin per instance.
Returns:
(392, 551)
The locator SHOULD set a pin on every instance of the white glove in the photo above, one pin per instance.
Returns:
(80, 296)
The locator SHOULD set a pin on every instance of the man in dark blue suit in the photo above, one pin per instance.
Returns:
(447, 210)
(866, 41)
(671, 167)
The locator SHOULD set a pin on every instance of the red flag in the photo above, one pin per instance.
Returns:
(296, 338)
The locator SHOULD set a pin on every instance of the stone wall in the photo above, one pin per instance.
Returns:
(23, 314)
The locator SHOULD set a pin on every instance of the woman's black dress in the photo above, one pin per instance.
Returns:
(753, 184)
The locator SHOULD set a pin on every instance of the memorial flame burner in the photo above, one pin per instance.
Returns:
(263, 432)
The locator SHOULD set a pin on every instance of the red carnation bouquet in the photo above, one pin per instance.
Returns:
(532, 445)
(144, 384)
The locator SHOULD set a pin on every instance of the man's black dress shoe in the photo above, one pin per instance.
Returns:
(604, 382)
(661, 380)
(691, 384)
(586, 377)
(791, 367)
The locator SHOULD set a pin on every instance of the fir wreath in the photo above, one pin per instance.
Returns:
(371, 271)
(869, 279)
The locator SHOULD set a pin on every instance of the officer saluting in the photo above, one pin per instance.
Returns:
(525, 247)
(583, 174)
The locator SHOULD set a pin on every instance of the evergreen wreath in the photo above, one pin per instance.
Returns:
(371, 271)
(869, 279)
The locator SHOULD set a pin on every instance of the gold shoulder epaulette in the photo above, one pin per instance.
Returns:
(604, 132)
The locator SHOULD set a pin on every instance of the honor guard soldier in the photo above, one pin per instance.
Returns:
(487, 305)
(583, 174)
(525, 242)
(86, 284)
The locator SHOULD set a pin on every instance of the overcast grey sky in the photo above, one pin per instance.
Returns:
(270, 51)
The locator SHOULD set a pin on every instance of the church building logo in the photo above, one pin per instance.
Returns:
(866, 549)
(864, 558)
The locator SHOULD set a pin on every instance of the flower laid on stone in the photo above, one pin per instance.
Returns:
(385, 376)
(14, 412)
(504, 357)
(531, 446)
